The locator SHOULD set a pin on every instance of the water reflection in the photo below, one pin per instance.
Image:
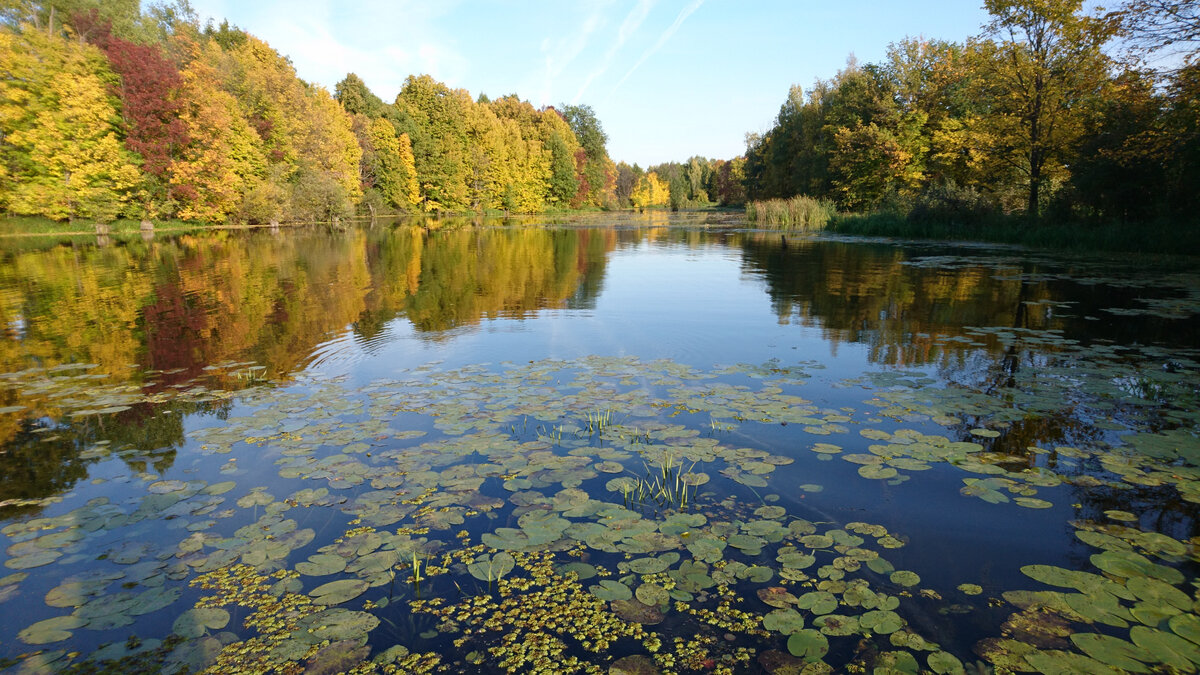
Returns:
(155, 314)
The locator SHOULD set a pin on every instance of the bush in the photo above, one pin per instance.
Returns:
(948, 203)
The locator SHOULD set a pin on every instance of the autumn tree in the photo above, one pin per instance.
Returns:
(223, 163)
(357, 99)
(1041, 71)
(435, 119)
(59, 130)
(1156, 25)
(595, 172)
(149, 90)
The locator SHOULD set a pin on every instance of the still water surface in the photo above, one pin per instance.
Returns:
(718, 448)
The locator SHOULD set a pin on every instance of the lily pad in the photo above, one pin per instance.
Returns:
(808, 644)
(50, 630)
(608, 589)
(197, 621)
(337, 592)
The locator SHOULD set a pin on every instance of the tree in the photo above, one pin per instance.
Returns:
(1154, 25)
(730, 179)
(149, 90)
(596, 173)
(224, 159)
(356, 98)
(1041, 75)
(436, 120)
(59, 139)
(627, 180)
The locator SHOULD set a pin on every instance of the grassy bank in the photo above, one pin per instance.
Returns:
(806, 214)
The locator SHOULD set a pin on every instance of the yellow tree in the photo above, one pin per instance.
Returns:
(327, 144)
(410, 189)
(224, 159)
(1042, 71)
(59, 126)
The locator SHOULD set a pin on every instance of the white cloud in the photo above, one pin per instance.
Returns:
(383, 41)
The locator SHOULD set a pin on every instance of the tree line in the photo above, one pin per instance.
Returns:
(110, 111)
(1040, 115)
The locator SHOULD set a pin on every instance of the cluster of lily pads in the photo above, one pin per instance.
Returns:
(1129, 613)
(621, 491)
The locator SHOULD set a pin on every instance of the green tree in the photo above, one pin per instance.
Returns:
(357, 98)
(436, 119)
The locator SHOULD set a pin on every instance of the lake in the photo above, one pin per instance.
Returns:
(624, 444)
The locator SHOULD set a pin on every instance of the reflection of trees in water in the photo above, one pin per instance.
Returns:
(867, 294)
(1159, 508)
(448, 279)
(176, 306)
(42, 458)
(862, 293)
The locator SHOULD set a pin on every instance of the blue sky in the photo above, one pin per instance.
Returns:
(668, 79)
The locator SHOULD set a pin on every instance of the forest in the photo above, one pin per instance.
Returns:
(1050, 112)
(110, 110)
(107, 111)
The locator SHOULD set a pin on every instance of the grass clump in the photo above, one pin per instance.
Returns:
(797, 213)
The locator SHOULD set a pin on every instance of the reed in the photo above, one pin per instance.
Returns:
(797, 213)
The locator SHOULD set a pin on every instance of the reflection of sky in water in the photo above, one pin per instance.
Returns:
(706, 303)
(694, 305)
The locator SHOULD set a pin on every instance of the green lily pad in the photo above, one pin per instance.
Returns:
(492, 568)
(905, 578)
(652, 594)
(321, 564)
(1186, 626)
(883, 622)
(1129, 565)
(1113, 651)
(1166, 647)
(1158, 592)
(197, 621)
(1055, 662)
(648, 565)
(808, 644)
(945, 663)
(50, 630)
(786, 621)
(336, 624)
(818, 602)
(337, 592)
(581, 569)
(608, 589)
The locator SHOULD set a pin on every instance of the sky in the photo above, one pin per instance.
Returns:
(668, 79)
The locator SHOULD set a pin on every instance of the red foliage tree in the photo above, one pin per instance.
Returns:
(148, 91)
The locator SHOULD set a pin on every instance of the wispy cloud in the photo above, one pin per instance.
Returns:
(662, 40)
(325, 43)
(558, 54)
(629, 26)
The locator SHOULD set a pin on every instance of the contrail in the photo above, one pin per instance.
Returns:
(628, 27)
(662, 40)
